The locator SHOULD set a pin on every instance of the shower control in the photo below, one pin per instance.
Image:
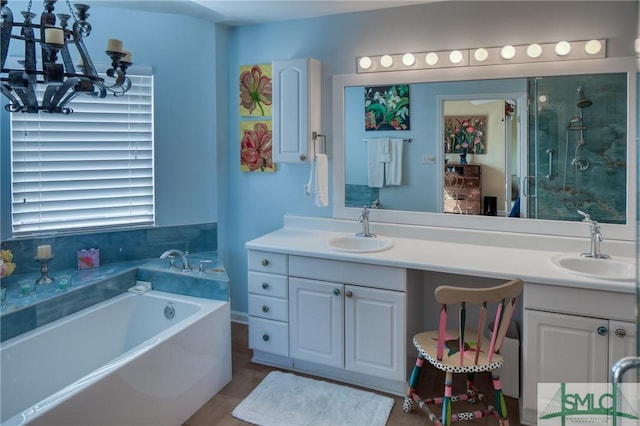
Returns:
(550, 152)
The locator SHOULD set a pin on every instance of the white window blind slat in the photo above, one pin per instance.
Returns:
(92, 169)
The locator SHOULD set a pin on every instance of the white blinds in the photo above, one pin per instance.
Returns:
(90, 169)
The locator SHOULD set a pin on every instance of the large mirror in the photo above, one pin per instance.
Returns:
(514, 148)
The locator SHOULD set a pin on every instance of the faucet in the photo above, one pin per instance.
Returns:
(375, 204)
(596, 238)
(184, 256)
(364, 220)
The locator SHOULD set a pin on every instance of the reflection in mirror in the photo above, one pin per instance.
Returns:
(567, 153)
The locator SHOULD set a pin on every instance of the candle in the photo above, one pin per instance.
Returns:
(26, 288)
(127, 57)
(54, 36)
(43, 251)
(114, 45)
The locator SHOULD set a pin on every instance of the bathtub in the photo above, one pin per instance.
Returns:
(137, 359)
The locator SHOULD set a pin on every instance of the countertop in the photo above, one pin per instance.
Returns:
(500, 256)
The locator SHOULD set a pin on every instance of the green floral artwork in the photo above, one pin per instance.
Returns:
(387, 107)
(465, 134)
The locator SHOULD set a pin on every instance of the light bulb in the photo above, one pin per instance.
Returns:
(408, 59)
(563, 48)
(592, 47)
(386, 61)
(431, 58)
(481, 54)
(534, 51)
(365, 62)
(508, 52)
(455, 57)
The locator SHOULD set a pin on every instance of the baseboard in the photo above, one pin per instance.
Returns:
(240, 317)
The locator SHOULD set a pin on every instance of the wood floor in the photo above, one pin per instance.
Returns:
(247, 375)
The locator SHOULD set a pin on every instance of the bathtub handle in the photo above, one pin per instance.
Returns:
(265, 308)
(265, 337)
(265, 262)
(265, 286)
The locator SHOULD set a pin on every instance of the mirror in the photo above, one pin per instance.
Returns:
(533, 158)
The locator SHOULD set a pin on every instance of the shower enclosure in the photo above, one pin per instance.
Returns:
(577, 148)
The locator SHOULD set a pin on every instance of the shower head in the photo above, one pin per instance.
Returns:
(583, 102)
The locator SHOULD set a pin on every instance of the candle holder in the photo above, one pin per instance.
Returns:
(44, 271)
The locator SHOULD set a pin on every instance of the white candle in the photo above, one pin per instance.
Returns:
(114, 45)
(43, 251)
(54, 36)
(127, 57)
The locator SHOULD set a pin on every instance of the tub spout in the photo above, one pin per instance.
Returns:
(185, 258)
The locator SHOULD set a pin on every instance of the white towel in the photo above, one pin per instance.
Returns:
(375, 168)
(319, 180)
(384, 155)
(393, 169)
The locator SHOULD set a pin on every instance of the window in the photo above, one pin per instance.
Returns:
(92, 169)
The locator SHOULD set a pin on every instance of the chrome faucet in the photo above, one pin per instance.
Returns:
(596, 238)
(364, 220)
(185, 258)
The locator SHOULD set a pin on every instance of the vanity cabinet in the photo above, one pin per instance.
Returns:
(296, 109)
(463, 189)
(572, 336)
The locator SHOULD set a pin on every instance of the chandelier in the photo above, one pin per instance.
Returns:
(62, 80)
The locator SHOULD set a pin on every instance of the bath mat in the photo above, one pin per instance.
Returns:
(287, 399)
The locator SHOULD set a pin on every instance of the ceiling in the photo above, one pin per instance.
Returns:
(245, 12)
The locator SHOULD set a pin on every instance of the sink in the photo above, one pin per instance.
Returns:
(352, 243)
(596, 268)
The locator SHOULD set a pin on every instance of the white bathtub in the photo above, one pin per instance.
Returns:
(121, 362)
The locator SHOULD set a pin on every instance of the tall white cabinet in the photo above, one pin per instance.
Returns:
(297, 98)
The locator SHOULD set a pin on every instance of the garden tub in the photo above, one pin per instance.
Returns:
(136, 359)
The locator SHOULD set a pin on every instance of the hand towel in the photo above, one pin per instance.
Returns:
(375, 168)
(322, 180)
(393, 169)
(384, 154)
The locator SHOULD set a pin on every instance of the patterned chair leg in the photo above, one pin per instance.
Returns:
(501, 405)
(413, 384)
(446, 402)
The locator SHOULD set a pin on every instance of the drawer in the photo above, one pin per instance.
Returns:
(268, 284)
(269, 336)
(268, 307)
(471, 183)
(264, 261)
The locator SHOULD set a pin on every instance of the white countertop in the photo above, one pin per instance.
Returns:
(479, 253)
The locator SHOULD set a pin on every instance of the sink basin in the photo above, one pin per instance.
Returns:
(352, 243)
(596, 268)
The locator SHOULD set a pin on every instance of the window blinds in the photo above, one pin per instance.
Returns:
(92, 169)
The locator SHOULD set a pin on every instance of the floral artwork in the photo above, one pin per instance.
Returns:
(256, 146)
(255, 90)
(6, 263)
(387, 107)
(465, 134)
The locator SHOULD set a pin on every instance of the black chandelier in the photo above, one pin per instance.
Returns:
(63, 81)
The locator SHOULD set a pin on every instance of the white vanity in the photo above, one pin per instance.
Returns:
(350, 316)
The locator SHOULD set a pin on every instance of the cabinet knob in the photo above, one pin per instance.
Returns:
(303, 157)
(348, 293)
(602, 330)
(336, 292)
(265, 337)
(265, 286)
(265, 262)
(620, 332)
(265, 309)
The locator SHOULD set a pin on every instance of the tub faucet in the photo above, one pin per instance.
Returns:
(364, 220)
(183, 255)
(596, 238)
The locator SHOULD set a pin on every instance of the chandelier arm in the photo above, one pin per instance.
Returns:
(70, 83)
(89, 68)
(28, 98)
(6, 26)
(14, 106)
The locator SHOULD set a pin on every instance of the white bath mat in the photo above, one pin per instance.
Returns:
(286, 399)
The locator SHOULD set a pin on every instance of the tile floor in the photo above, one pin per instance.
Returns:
(247, 375)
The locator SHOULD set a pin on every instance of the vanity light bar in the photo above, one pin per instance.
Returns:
(508, 54)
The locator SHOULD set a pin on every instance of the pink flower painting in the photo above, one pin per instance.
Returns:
(256, 146)
(255, 90)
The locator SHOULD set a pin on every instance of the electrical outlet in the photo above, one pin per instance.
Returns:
(429, 159)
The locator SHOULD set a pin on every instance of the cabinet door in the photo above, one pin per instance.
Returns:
(375, 332)
(561, 348)
(622, 342)
(316, 318)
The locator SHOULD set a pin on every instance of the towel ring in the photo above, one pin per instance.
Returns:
(314, 136)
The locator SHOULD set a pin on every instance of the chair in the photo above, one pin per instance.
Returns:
(465, 350)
